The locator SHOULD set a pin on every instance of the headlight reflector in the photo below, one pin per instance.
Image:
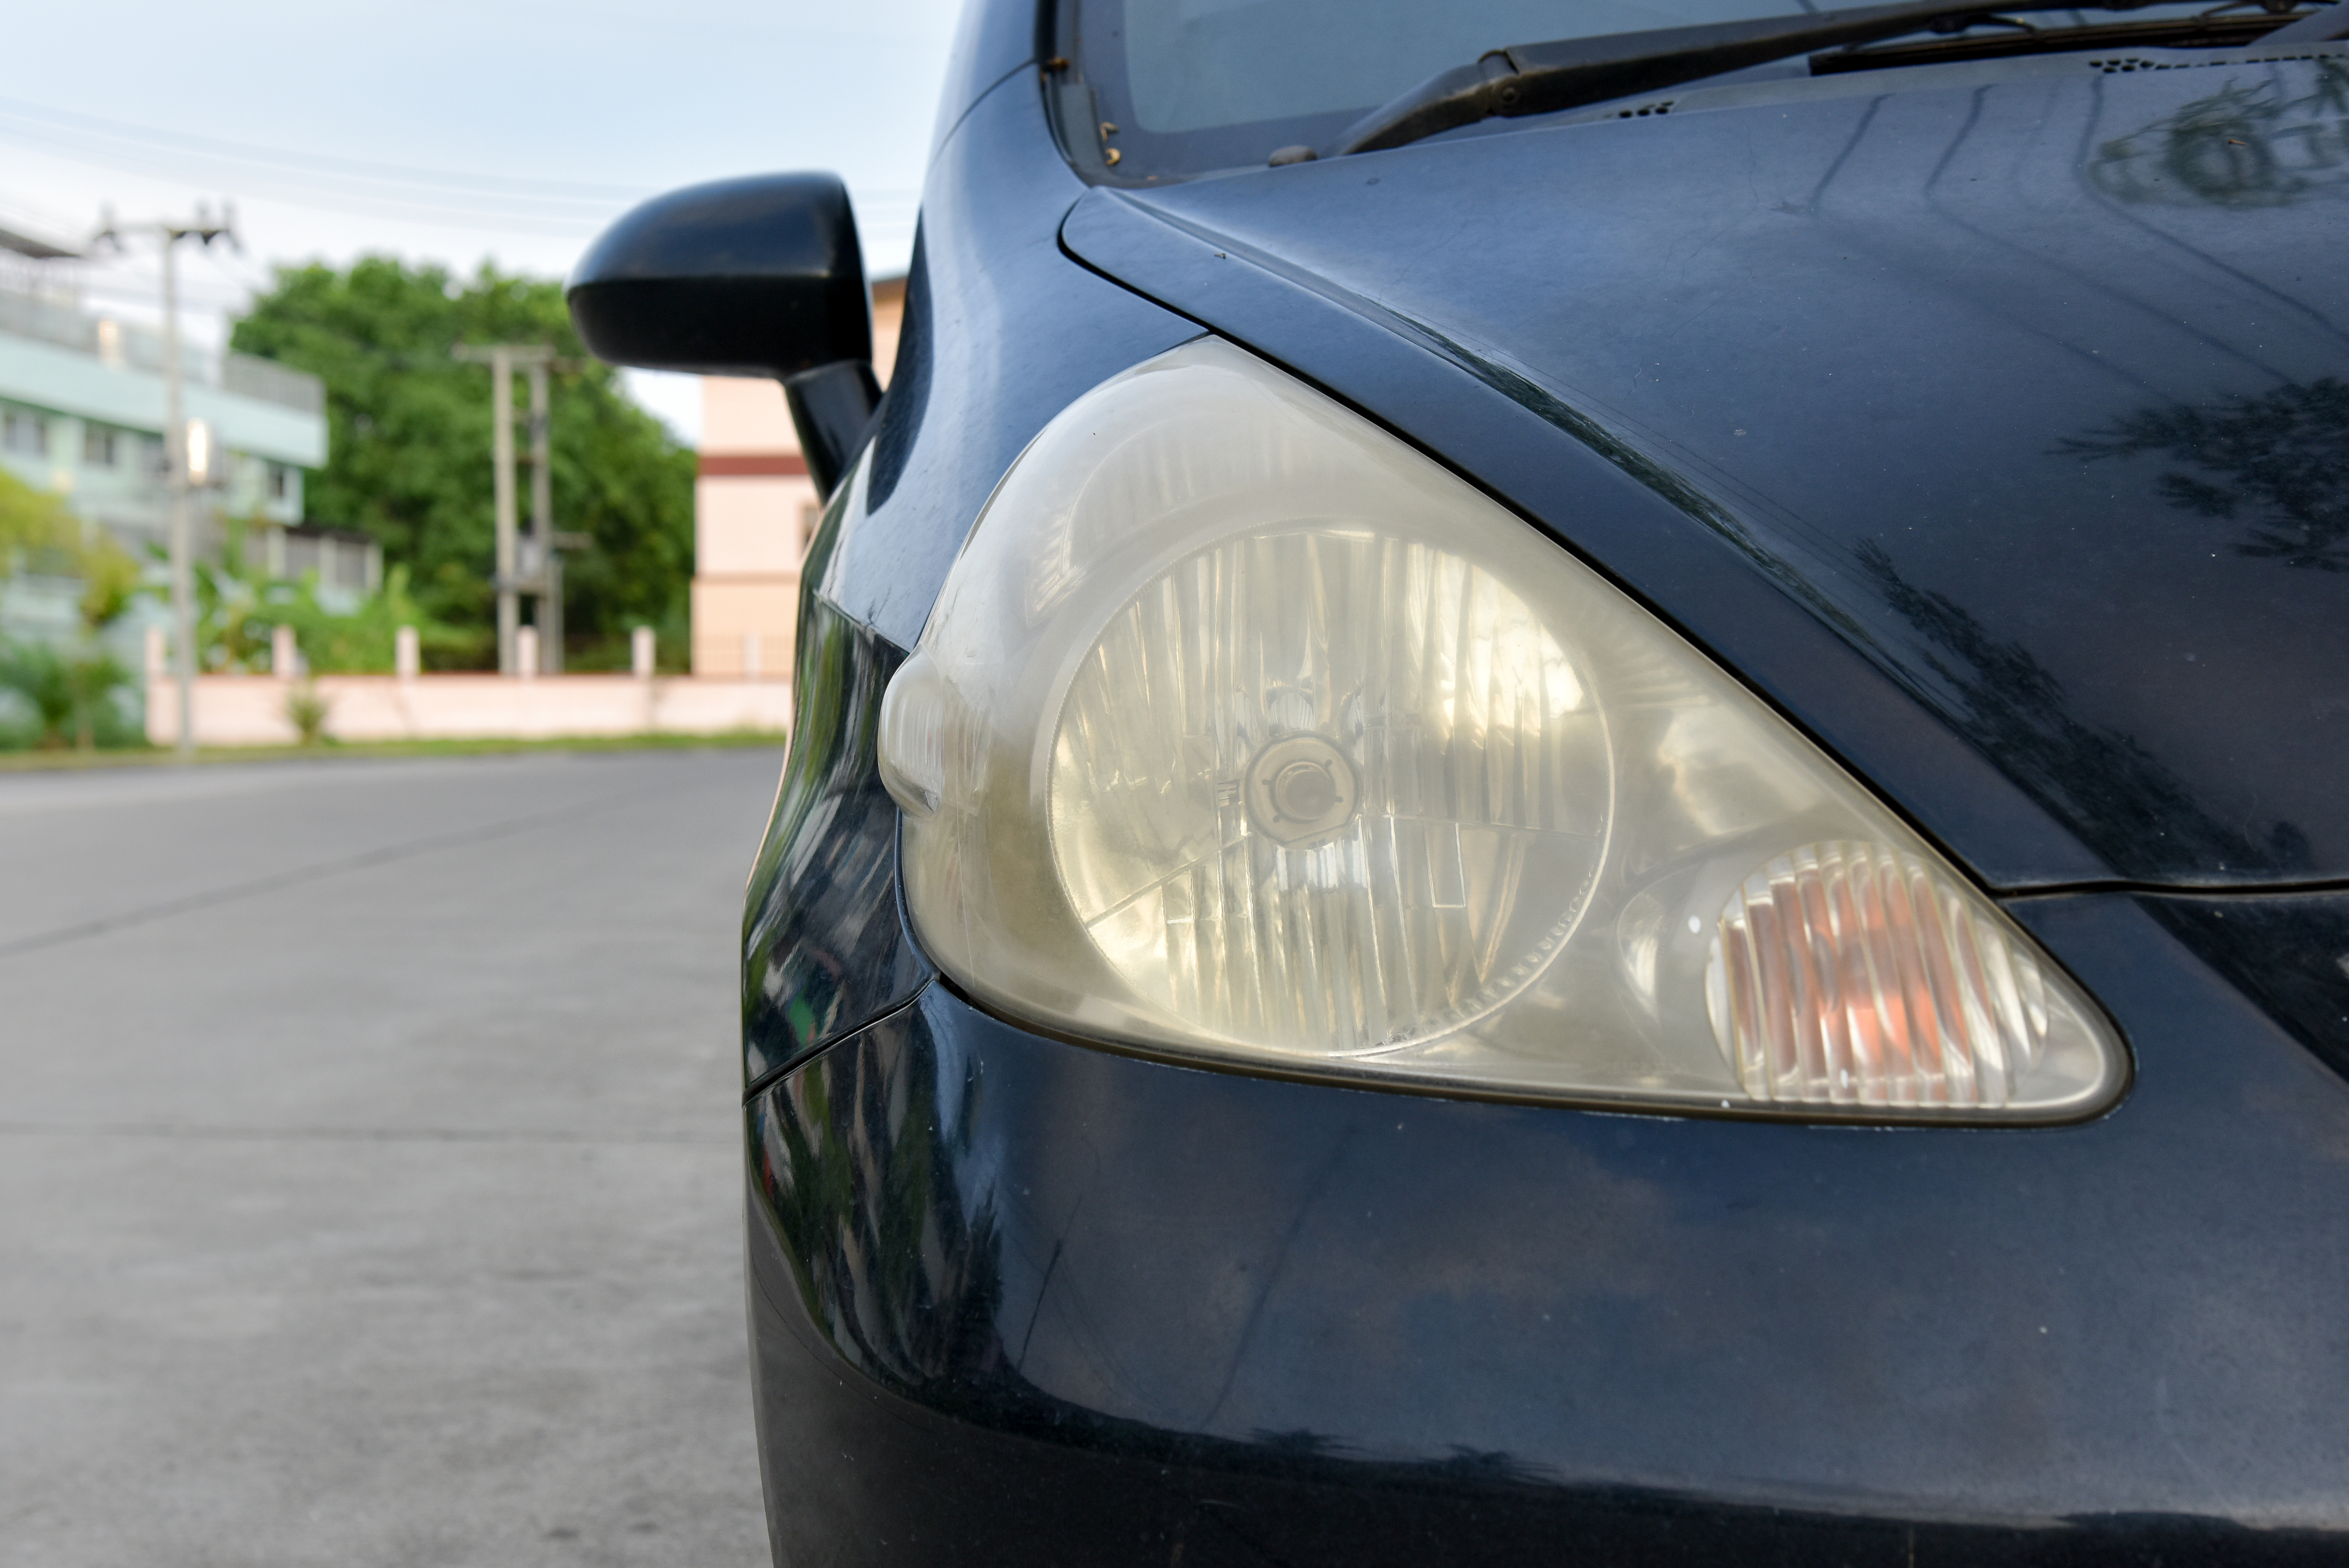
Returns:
(1304, 781)
(1243, 733)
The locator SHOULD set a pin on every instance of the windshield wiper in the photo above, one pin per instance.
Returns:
(1543, 79)
(2326, 26)
(2212, 29)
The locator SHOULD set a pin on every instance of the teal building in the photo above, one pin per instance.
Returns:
(81, 414)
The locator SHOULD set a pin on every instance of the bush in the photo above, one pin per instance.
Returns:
(307, 711)
(240, 607)
(71, 693)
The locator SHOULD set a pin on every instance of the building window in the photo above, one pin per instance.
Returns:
(24, 433)
(100, 447)
(281, 482)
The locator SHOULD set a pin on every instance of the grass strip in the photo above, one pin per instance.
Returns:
(35, 762)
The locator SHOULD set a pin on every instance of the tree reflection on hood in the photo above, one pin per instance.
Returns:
(2278, 465)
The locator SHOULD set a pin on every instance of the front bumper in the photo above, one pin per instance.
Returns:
(1015, 1299)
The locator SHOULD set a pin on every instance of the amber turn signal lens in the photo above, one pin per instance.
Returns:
(1856, 974)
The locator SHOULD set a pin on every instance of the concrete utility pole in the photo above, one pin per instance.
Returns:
(533, 565)
(175, 447)
(549, 560)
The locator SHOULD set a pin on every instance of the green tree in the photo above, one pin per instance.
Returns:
(34, 526)
(39, 533)
(70, 690)
(408, 447)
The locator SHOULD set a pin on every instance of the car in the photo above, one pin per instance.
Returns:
(1575, 800)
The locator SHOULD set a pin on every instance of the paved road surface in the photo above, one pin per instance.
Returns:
(368, 1183)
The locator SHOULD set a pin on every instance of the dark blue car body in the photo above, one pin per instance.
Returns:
(1991, 420)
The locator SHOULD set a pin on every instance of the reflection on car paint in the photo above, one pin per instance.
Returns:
(2275, 464)
(2115, 792)
(824, 950)
(2289, 952)
(2242, 146)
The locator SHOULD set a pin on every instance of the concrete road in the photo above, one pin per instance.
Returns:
(369, 1181)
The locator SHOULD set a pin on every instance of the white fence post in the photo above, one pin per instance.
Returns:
(284, 659)
(750, 656)
(640, 652)
(407, 658)
(526, 653)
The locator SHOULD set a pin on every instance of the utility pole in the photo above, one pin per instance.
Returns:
(549, 560)
(175, 447)
(533, 565)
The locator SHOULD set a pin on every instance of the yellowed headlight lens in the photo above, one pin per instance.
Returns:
(1245, 734)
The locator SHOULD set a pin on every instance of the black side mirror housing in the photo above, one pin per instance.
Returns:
(756, 276)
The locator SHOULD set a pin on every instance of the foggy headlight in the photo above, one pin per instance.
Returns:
(1243, 733)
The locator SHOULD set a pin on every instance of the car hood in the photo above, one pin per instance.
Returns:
(2030, 376)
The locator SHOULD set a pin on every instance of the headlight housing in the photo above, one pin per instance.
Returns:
(1242, 733)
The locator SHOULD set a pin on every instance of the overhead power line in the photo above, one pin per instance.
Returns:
(318, 193)
(396, 174)
(472, 213)
(473, 203)
(409, 185)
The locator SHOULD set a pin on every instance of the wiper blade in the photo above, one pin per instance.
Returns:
(2207, 31)
(2328, 25)
(1543, 79)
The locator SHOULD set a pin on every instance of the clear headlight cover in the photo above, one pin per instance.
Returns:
(1244, 732)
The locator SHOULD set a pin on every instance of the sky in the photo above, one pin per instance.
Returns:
(447, 131)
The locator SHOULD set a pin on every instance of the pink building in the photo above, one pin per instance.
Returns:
(754, 511)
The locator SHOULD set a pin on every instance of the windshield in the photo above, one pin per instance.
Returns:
(1186, 86)
(1195, 64)
(1206, 83)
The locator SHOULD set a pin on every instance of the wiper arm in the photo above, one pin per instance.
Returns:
(2328, 25)
(1543, 79)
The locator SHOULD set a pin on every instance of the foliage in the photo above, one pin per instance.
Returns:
(307, 711)
(71, 691)
(39, 534)
(35, 529)
(364, 640)
(110, 580)
(239, 607)
(409, 444)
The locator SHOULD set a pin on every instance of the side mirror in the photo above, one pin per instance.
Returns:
(757, 277)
